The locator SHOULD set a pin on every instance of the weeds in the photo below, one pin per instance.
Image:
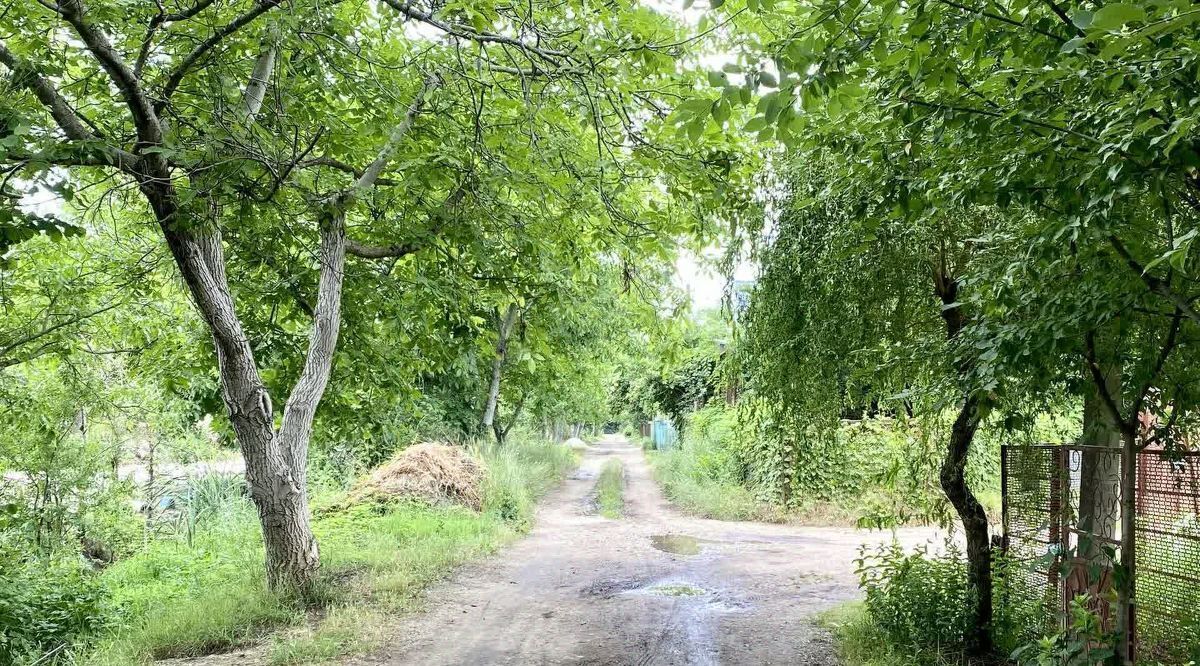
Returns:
(863, 642)
(610, 488)
(700, 476)
(207, 593)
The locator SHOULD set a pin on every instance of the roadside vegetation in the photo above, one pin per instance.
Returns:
(610, 489)
(252, 249)
(203, 595)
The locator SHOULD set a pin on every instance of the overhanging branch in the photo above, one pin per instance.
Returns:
(145, 119)
(95, 152)
(189, 61)
(1155, 284)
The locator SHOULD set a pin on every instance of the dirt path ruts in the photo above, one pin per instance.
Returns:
(582, 589)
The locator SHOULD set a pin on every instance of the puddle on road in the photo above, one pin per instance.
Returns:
(678, 544)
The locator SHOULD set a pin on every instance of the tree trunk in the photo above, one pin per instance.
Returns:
(493, 396)
(275, 461)
(1127, 592)
(275, 472)
(501, 433)
(974, 521)
(953, 473)
(1100, 471)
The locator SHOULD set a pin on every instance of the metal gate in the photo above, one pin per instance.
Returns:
(1062, 538)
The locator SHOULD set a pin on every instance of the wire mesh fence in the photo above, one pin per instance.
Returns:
(1168, 555)
(1062, 539)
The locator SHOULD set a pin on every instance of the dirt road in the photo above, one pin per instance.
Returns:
(653, 587)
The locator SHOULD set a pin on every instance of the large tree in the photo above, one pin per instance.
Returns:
(270, 136)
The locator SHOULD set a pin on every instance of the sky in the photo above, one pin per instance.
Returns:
(696, 274)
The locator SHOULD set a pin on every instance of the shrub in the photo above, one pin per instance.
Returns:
(45, 606)
(920, 600)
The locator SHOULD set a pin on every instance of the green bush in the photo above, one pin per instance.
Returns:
(45, 606)
(920, 600)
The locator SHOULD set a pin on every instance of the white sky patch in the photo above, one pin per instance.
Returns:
(698, 276)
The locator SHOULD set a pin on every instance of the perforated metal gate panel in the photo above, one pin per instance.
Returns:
(1168, 555)
(1059, 535)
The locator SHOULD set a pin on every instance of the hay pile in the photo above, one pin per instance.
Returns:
(435, 473)
(576, 444)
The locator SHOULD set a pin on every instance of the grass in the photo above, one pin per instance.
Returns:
(861, 642)
(179, 599)
(610, 488)
(694, 492)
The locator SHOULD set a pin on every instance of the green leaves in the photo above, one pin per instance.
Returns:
(17, 226)
(1111, 17)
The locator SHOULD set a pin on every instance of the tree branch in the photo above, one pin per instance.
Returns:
(1160, 361)
(1098, 378)
(256, 89)
(25, 76)
(11, 345)
(367, 251)
(1062, 16)
(334, 163)
(397, 250)
(145, 119)
(1155, 284)
(302, 403)
(189, 61)
(1002, 19)
(159, 21)
(93, 154)
(467, 32)
(367, 180)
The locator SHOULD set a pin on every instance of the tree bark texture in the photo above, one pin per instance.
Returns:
(1100, 470)
(493, 396)
(953, 475)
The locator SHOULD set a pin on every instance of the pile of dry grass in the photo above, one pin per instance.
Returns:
(435, 473)
(576, 444)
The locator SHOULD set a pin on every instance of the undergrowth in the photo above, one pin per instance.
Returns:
(868, 473)
(207, 594)
(861, 641)
(701, 474)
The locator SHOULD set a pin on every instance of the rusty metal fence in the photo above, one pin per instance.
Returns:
(1062, 538)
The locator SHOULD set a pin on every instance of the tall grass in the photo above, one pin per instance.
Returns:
(519, 473)
(692, 491)
(860, 641)
(700, 474)
(610, 489)
(207, 593)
